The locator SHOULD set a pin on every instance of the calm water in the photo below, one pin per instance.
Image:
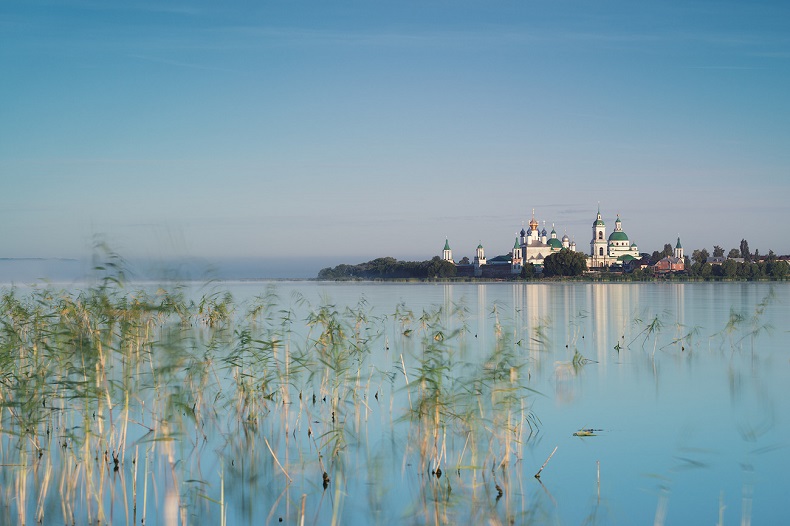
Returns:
(685, 385)
(694, 418)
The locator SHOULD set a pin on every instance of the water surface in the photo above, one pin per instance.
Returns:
(684, 385)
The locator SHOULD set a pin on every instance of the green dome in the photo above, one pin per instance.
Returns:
(598, 222)
(618, 236)
(555, 243)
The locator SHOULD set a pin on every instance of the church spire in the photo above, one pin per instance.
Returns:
(447, 253)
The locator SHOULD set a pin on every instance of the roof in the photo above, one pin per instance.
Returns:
(618, 235)
(555, 243)
(446, 244)
(598, 221)
(678, 245)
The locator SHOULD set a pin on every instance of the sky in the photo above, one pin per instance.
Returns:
(336, 132)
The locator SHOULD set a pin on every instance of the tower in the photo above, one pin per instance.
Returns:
(598, 251)
(533, 229)
(516, 260)
(480, 260)
(678, 250)
(447, 253)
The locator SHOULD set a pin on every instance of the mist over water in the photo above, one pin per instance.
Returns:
(25, 271)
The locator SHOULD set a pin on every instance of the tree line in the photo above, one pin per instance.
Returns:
(390, 268)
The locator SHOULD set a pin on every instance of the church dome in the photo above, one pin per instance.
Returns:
(565, 238)
(555, 243)
(523, 233)
(544, 233)
(618, 235)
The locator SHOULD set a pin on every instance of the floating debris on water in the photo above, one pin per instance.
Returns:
(586, 432)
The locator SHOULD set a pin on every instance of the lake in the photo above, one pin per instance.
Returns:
(393, 403)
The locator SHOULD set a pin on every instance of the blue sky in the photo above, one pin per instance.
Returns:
(343, 131)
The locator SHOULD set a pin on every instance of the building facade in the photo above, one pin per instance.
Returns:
(616, 250)
(674, 263)
(532, 245)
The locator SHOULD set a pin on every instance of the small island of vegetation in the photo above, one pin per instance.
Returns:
(391, 268)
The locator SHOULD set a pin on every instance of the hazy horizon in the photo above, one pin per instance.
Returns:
(351, 130)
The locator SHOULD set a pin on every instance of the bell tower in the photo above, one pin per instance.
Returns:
(598, 250)
(447, 253)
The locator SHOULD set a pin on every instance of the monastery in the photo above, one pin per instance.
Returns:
(534, 245)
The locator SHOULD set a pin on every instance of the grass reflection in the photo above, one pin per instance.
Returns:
(122, 404)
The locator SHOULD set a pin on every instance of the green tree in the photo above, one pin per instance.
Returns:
(700, 256)
(655, 256)
(438, 268)
(718, 252)
(777, 268)
(734, 253)
(745, 254)
(565, 263)
(528, 271)
(730, 268)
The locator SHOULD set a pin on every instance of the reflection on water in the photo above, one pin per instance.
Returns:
(390, 403)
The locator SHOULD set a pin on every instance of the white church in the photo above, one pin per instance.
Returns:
(533, 245)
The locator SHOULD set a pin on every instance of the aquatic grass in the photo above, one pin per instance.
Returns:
(686, 340)
(146, 403)
(652, 329)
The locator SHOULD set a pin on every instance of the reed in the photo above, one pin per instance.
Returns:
(195, 402)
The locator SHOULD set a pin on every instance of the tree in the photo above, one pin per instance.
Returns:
(745, 254)
(718, 252)
(655, 256)
(464, 261)
(730, 268)
(565, 263)
(700, 269)
(777, 268)
(668, 250)
(528, 271)
(700, 256)
(439, 268)
(734, 253)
